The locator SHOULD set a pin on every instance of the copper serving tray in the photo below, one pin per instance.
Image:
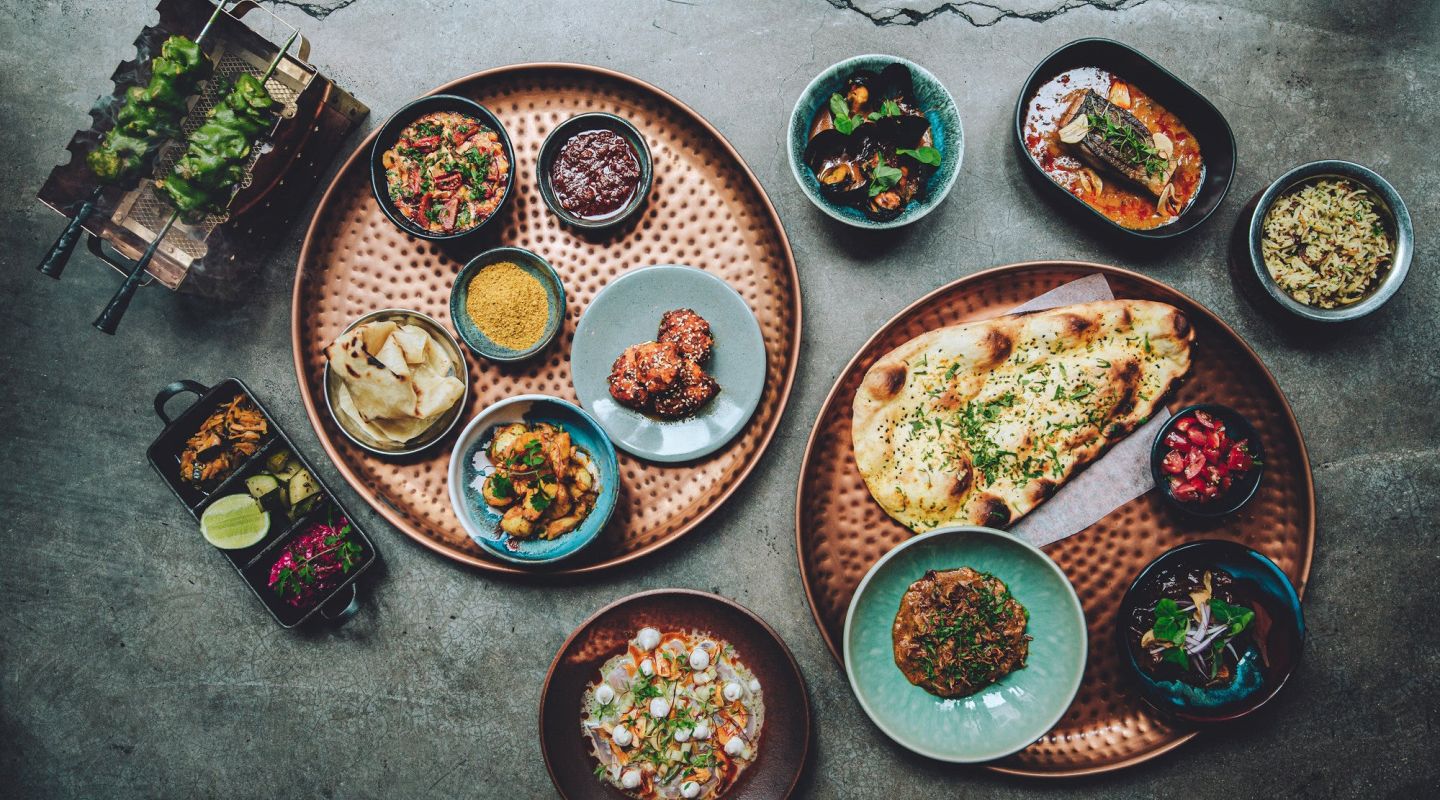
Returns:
(841, 532)
(705, 209)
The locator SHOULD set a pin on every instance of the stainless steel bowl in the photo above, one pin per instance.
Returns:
(1391, 207)
(442, 426)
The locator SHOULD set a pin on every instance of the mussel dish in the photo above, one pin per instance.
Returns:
(871, 147)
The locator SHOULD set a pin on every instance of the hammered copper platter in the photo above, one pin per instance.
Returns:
(841, 532)
(705, 209)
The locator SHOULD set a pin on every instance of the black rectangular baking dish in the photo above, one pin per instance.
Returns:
(1217, 141)
(253, 563)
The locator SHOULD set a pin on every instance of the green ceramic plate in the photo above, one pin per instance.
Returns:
(1000, 719)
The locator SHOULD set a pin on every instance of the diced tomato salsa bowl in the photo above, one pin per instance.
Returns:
(1207, 461)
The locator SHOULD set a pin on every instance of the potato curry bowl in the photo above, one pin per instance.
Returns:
(533, 479)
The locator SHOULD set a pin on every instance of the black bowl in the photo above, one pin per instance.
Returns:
(391, 131)
(1217, 142)
(1236, 427)
(580, 123)
(1276, 641)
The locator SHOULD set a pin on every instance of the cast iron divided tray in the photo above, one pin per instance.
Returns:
(841, 531)
(253, 563)
(705, 209)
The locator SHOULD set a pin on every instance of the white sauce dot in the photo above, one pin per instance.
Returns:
(754, 685)
(630, 779)
(699, 659)
(689, 789)
(702, 730)
(659, 707)
(622, 736)
(604, 695)
(647, 639)
(734, 746)
(682, 735)
(732, 691)
(647, 667)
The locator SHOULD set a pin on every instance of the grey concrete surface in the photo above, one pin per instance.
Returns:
(134, 664)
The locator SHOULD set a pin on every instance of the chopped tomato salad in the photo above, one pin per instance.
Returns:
(1203, 461)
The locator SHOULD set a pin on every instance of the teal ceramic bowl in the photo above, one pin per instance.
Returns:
(470, 463)
(478, 342)
(1002, 718)
(930, 95)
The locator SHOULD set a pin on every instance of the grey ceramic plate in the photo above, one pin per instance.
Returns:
(627, 311)
(1002, 718)
(931, 96)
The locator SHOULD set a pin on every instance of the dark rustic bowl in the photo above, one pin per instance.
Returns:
(1283, 640)
(784, 739)
(391, 131)
(1241, 491)
(1392, 209)
(591, 122)
(1217, 142)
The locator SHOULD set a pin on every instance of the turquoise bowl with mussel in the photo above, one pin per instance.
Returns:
(876, 142)
(1210, 631)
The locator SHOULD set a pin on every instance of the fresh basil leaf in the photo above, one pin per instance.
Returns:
(845, 125)
(838, 107)
(1170, 622)
(925, 155)
(1176, 656)
(890, 108)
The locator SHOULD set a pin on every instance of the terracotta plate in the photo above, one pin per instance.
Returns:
(784, 739)
(840, 531)
(705, 209)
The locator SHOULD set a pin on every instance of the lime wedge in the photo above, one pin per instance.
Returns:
(234, 522)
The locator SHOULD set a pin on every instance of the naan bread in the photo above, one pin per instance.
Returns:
(979, 423)
(395, 381)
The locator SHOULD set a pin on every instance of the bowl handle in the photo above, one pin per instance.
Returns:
(178, 387)
(344, 614)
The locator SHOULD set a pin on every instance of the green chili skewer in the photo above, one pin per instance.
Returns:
(245, 102)
(150, 116)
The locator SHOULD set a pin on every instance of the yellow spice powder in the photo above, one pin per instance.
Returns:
(508, 305)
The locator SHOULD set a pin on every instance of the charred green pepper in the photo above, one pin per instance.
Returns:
(151, 114)
(214, 160)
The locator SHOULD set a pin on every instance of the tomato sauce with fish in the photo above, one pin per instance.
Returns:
(1105, 191)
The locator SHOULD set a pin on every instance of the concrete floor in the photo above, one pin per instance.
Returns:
(134, 664)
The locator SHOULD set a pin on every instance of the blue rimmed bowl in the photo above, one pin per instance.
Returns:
(1271, 655)
(1002, 718)
(930, 95)
(540, 269)
(470, 463)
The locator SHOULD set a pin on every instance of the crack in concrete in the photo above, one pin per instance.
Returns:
(315, 10)
(978, 14)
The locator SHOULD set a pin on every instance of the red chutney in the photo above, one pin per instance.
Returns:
(595, 174)
(1118, 199)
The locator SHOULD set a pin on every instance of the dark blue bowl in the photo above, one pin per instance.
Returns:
(1275, 645)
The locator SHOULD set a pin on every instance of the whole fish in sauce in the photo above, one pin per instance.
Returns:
(1108, 136)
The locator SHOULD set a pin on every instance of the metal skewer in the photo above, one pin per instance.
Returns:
(109, 319)
(53, 264)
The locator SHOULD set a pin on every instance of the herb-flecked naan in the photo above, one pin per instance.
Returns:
(979, 423)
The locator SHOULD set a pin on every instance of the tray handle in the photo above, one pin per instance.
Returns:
(178, 387)
(244, 7)
(343, 615)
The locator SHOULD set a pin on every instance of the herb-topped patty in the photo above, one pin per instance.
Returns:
(959, 631)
